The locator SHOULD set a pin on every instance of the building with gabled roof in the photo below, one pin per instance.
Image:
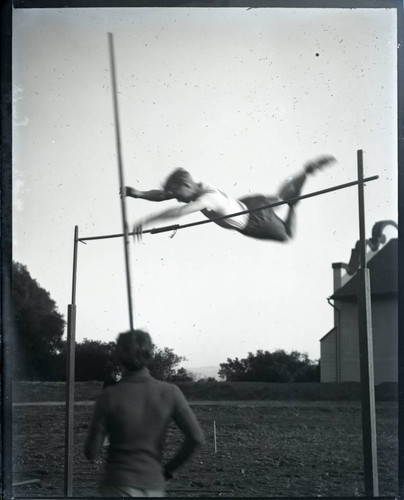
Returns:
(340, 346)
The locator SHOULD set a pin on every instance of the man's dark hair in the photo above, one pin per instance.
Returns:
(177, 178)
(134, 349)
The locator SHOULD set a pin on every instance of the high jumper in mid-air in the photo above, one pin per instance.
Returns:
(202, 197)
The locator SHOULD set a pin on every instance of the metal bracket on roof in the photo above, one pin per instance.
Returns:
(378, 238)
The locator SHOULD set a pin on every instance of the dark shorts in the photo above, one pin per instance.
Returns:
(263, 224)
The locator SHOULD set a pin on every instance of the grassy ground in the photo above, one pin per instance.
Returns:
(264, 448)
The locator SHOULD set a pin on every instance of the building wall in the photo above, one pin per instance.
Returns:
(385, 340)
(349, 342)
(328, 352)
(385, 343)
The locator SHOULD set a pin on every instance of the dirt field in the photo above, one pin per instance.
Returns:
(264, 449)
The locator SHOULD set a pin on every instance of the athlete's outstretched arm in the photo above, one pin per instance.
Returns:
(151, 195)
(170, 213)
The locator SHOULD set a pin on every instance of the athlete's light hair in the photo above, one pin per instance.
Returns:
(176, 179)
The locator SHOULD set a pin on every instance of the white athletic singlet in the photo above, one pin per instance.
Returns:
(218, 204)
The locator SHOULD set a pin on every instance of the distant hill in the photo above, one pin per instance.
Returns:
(204, 372)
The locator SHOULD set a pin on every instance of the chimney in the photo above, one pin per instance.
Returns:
(337, 266)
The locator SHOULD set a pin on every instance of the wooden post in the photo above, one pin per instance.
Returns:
(6, 251)
(400, 163)
(70, 378)
(366, 352)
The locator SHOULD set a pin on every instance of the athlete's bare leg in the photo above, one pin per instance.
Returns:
(290, 221)
(292, 188)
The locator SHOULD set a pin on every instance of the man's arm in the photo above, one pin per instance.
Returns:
(151, 195)
(194, 438)
(96, 433)
(173, 213)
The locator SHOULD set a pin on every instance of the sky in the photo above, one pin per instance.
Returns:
(241, 98)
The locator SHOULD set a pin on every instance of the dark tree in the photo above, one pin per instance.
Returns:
(182, 375)
(93, 358)
(40, 351)
(164, 362)
(233, 370)
(278, 366)
(39, 327)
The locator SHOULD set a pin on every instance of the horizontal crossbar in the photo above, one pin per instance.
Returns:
(205, 490)
(175, 227)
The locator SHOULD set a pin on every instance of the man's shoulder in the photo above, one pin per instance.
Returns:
(208, 188)
(211, 196)
(167, 387)
(126, 387)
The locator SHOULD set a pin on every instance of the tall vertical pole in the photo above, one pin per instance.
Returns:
(126, 241)
(400, 169)
(6, 252)
(70, 377)
(366, 352)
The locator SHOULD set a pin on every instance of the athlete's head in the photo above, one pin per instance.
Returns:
(134, 349)
(181, 185)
